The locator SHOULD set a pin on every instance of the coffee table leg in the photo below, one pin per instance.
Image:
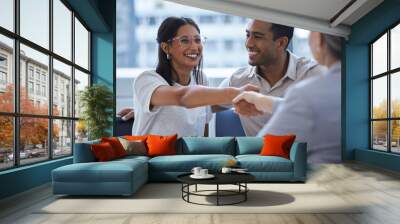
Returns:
(217, 194)
(196, 188)
(185, 187)
(188, 189)
(245, 191)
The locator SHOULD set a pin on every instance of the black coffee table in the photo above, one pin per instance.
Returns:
(238, 179)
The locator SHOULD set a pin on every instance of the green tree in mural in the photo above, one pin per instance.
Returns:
(396, 123)
(96, 102)
(380, 127)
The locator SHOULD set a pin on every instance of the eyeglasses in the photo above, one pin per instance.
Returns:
(187, 41)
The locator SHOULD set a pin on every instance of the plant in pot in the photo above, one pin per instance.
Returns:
(96, 104)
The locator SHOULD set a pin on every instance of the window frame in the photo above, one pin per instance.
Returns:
(388, 74)
(16, 114)
(3, 77)
(3, 69)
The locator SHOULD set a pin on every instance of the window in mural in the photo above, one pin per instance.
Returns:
(385, 94)
(43, 112)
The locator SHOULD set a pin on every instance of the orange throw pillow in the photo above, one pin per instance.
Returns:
(103, 151)
(135, 137)
(116, 145)
(161, 145)
(275, 145)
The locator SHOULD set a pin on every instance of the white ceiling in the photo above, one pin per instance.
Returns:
(316, 15)
(322, 9)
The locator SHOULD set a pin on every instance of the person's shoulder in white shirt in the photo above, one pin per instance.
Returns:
(144, 86)
(165, 120)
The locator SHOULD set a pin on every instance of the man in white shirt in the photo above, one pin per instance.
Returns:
(311, 109)
(272, 68)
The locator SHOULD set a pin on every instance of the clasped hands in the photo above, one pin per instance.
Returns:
(251, 103)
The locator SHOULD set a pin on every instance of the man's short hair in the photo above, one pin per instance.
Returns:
(281, 31)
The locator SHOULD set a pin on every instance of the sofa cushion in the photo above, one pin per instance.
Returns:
(95, 172)
(134, 147)
(136, 137)
(205, 145)
(185, 163)
(257, 163)
(159, 145)
(116, 170)
(132, 158)
(249, 145)
(103, 152)
(116, 145)
(277, 145)
(118, 177)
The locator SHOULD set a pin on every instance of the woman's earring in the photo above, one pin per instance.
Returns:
(168, 57)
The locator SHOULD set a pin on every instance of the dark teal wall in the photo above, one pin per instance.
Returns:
(90, 12)
(357, 99)
(24, 178)
(102, 58)
(103, 63)
(103, 50)
(380, 159)
(99, 16)
(103, 47)
(357, 84)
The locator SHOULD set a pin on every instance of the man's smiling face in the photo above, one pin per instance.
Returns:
(260, 45)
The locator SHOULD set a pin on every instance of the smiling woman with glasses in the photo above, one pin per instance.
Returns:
(175, 99)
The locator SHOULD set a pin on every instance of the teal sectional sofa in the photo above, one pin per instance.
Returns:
(125, 176)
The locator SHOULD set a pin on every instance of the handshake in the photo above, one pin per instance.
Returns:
(251, 103)
(247, 102)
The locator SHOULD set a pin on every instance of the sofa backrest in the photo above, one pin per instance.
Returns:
(195, 145)
(185, 145)
(83, 152)
(205, 145)
(249, 145)
(253, 145)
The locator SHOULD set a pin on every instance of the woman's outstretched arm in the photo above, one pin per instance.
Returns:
(195, 96)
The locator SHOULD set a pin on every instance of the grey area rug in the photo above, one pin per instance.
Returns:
(166, 198)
